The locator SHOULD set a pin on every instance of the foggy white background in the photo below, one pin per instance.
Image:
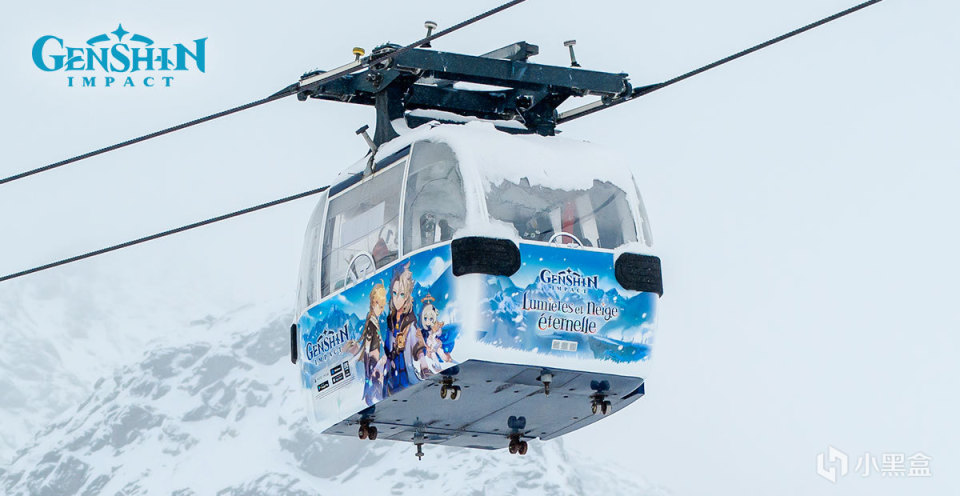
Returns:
(803, 200)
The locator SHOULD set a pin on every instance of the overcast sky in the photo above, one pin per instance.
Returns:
(803, 201)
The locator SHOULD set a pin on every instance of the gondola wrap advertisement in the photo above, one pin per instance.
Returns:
(566, 302)
(380, 336)
(409, 320)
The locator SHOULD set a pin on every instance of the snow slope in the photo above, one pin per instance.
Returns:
(57, 336)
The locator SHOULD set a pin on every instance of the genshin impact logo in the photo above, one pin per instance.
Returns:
(109, 60)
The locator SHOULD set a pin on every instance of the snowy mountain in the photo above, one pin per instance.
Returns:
(218, 412)
(60, 334)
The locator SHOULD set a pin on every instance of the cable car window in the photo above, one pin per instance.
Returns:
(361, 230)
(434, 207)
(599, 217)
(308, 293)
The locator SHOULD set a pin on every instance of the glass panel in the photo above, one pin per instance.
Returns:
(598, 217)
(434, 207)
(361, 229)
(308, 293)
(644, 220)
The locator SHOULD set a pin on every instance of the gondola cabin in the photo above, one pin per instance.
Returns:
(470, 287)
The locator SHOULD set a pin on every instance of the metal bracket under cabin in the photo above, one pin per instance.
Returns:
(514, 89)
(489, 394)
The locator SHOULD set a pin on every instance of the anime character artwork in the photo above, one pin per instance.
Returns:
(404, 344)
(436, 356)
(372, 339)
(410, 348)
(368, 351)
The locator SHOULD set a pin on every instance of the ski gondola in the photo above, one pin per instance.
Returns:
(474, 254)
(457, 262)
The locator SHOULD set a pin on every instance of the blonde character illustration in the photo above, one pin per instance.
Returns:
(367, 351)
(436, 356)
(404, 345)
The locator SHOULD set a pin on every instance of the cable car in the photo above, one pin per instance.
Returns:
(475, 281)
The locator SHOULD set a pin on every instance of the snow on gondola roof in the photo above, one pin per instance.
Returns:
(498, 156)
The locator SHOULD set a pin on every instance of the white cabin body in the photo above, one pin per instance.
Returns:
(474, 263)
